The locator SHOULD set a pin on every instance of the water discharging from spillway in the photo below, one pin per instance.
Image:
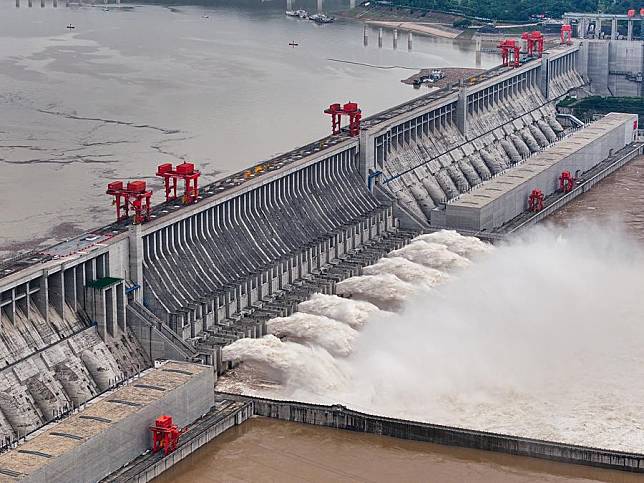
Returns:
(539, 337)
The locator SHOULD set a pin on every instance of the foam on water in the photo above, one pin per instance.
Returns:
(334, 336)
(540, 337)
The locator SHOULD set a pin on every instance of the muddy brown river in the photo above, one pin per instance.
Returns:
(266, 450)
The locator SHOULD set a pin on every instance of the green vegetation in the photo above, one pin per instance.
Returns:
(586, 107)
(518, 9)
(462, 23)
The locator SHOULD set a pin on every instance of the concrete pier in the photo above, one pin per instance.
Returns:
(410, 40)
(395, 39)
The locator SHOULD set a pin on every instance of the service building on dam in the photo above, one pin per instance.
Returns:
(82, 322)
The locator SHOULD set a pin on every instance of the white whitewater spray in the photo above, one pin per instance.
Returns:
(352, 312)
(465, 246)
(289, 364)
(334, 336)
(433, 255)
(410, 272)
(384, 290)
(540, 338)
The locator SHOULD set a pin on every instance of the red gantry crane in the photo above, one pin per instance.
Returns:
(184, 171)
(534, 42)
(135, 195)
(566, 182)
(510, 52)
(535, 200)
(351, 110)
(165, 435)
(566, 34)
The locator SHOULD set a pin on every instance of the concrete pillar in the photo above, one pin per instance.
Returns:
(461, 111)
(120, 305)
(97, 310)
(136, 259)
(30, 3)
(365, 35)
(581, 28)
(410, 40)
(55, 4)
(17, 3)
(478, 52)
(69, 279)
(613, 28)
(598, 27)
(42, 3)
(629, 33)
(289, 4)
(380, 37)
(320, 5)
(352, 3)
(57, 293)
(395, 38)
(544, 74)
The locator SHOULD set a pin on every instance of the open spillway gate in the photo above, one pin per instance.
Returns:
(219, 273)
(256, 243)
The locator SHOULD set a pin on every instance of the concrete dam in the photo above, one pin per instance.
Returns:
(82, 315)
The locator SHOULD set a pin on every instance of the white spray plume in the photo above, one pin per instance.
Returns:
(465, 246)
(407, 271)
(350, 311)
(432, 255)
(386, 291)
(334, 336)
(288, 363)
(542, 338)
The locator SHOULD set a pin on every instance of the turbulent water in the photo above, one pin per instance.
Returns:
(538, 337)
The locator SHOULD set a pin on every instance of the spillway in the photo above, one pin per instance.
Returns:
(333, 217)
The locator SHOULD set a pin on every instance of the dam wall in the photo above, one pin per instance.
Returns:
(340, 417)
(431, 150)
(258, 242)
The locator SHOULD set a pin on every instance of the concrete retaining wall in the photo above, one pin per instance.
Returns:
(118, 443)
(215, 424)
(342, 418)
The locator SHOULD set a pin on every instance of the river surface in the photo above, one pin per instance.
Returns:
(133, 87)
(265, 450)
(617, 199)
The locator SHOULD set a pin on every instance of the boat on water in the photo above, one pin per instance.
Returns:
(321, 18)
(297, 13)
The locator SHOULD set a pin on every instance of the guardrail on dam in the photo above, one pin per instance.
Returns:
(257, 242)
(340, 417)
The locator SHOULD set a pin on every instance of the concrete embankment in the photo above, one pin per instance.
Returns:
(342, 418)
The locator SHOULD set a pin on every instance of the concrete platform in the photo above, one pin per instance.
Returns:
(112, 429)
(506, 196)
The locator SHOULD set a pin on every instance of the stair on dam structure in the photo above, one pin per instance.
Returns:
(422, 175)
(51, 366)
